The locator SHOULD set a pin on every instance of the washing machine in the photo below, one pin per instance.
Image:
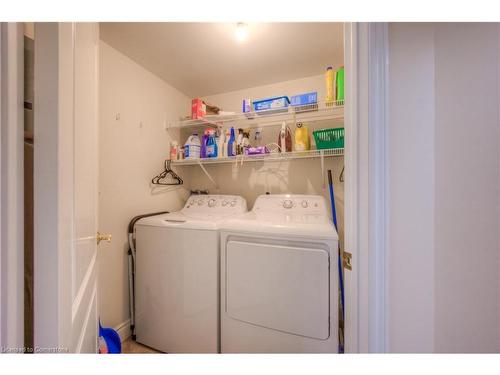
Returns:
(177, 275)
(279, 278)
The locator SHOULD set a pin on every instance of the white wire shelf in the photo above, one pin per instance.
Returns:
(308, 113)
(274, 157)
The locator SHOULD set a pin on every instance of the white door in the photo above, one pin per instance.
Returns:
(66, 120)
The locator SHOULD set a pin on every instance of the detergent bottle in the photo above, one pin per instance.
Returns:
(330, 85)
(340, 84)
(204, 139)
(302, 140)
(192, 147)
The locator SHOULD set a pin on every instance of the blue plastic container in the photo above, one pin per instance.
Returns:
(277, 103)
(304, 99)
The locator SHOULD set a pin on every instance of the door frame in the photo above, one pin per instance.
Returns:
(366, 51)
(12, 186)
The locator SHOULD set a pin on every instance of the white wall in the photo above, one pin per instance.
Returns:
(467, 170)
(254, 179)
(444, 163)
(411, 215)
(131, 152)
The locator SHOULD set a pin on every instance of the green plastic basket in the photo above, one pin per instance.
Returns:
(329, 138)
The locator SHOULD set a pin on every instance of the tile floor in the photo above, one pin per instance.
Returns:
(129, 346)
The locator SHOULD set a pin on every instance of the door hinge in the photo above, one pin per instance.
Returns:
(346, 260)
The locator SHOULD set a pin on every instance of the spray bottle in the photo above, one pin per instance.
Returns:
(221, 144)
(231, 146)
(211, 148)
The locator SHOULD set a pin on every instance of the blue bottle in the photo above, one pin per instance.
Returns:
(230, 144)
(211, 148)
(203, 149)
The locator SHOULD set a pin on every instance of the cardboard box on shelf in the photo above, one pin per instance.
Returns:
(198, 109)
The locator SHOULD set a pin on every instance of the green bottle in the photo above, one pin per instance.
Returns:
(340, 83)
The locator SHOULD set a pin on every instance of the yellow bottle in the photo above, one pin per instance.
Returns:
(330, 85)
(301, 138)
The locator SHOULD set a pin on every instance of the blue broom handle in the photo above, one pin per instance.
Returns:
(334, 214)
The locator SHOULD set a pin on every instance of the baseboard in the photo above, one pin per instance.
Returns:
(123, 330)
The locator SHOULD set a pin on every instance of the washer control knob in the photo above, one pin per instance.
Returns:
(233, 203)
(200, 202)
(305, 204)
(224, 203)
(288, 203)
(212, 202)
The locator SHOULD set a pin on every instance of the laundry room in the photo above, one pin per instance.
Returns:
(203, 119)
(240, 187)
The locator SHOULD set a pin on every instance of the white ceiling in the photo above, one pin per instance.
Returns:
(202, 59)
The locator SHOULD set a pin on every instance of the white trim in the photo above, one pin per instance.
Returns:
(366, 181)
(123, 330)
(379, 184)
(12, 186)
(47, 203)
(1, 190)
(350, 160)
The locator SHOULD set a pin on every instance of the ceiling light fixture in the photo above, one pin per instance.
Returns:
(241, 32)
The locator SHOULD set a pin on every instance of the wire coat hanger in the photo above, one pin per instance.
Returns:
(167, 174)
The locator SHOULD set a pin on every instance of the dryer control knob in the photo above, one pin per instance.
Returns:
(212, 202)
(200, 202)
(224, 203)
(288, 203)
(305, 204)
(233, 203)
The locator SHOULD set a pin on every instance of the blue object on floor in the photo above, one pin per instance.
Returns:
(112, 339)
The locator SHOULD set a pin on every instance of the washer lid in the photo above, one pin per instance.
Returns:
(181, 220)
(310, 225)
(200, 212)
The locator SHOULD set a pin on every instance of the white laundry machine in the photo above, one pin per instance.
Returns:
(177, 275)
(279, 278)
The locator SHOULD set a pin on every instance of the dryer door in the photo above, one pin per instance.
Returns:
(279, 287)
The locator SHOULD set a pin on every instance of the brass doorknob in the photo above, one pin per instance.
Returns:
(103, 237)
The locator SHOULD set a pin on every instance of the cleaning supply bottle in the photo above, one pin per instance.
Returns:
(340, 85)
(174, 150)
(239, 142)
(330, 85)
(204, 139)
(285, 138)
(192, 147)
(211, 148)
(258, 136)
(231, 146)
(302, 140)
(245, 143)
(221, 143)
